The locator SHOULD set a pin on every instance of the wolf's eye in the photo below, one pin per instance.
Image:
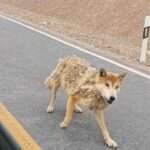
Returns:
(107, 85)
(117, 87)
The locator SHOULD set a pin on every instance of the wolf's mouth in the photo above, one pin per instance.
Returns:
(106, 100)
(109, 102)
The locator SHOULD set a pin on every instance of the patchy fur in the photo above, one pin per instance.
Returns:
(86, 86)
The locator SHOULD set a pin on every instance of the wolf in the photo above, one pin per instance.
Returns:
(86, 87)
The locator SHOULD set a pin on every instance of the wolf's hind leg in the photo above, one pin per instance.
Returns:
(69, 112)
(50, 107)
(78, 109)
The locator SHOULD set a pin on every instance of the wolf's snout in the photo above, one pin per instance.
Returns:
(111, 99)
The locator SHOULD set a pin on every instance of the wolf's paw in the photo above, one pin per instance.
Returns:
(50, 109)
(63, 125)
(111, 143)
(78, 109)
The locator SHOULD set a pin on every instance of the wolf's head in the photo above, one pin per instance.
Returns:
(109, 84)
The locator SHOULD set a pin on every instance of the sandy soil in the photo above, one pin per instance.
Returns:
(114, 26)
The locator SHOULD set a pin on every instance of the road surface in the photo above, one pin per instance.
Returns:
(27, 58)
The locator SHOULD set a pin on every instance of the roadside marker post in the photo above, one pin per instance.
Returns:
(146, 32)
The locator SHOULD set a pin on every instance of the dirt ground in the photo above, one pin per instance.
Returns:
(114, 26)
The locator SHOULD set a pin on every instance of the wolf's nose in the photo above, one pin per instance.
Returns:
(111, 99)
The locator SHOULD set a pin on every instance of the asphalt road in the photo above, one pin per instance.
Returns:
(26, 59)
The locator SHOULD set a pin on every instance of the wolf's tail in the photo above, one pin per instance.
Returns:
(55, 75)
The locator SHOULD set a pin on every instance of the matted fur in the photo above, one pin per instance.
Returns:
(85, 86)
(77, 77)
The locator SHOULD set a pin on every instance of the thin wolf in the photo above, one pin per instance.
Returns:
(86, 87)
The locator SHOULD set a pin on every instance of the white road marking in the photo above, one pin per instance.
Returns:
(79, 48)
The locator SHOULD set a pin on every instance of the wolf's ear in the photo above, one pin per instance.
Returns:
(122, 75)
(102, 72)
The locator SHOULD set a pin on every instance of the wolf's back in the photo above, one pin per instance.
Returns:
(55, 75)
(71, 73)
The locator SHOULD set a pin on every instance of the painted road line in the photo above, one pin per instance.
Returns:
(147, 76)
(16, 130)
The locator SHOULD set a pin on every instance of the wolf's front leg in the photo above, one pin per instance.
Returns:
(69, 112)
(50, 108)
(108, 140)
